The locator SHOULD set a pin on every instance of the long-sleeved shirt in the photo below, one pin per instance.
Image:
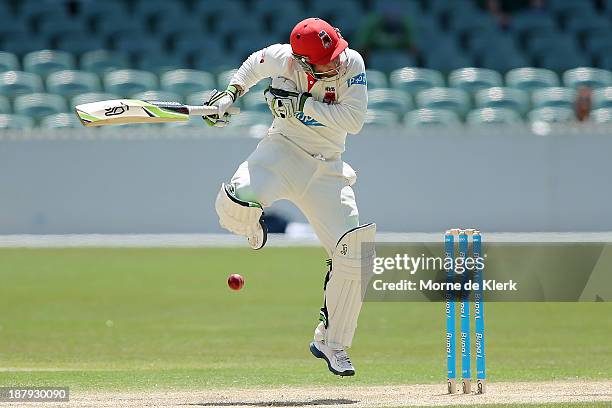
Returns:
(338, 105)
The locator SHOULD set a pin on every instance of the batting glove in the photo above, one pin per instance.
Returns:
(222, 100)
(284, 104)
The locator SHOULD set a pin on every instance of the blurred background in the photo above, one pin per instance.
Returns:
(493, 113)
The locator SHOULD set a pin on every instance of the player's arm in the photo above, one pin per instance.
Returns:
(349, 112)
(259, 65)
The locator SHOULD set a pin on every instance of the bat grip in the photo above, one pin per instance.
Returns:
(210, 110)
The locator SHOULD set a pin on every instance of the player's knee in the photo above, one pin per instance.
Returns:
(235, 214)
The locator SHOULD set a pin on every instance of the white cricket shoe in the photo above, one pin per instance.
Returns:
(258, 239)
(338, 361)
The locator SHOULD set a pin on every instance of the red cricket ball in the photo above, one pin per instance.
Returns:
(235, 281)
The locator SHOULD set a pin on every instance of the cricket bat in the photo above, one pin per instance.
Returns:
(119, 111)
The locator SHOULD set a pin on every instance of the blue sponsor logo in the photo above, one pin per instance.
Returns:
(307, 120)
(359, 79)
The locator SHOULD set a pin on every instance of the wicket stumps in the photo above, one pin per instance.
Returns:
(463, 236)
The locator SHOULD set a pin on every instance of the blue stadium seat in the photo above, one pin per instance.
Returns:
(376, 79)
(393, 100)
(38, 105)
(69, 83)
(92, 97)
(566, 8)
(13, 83)
(503, 59)
(480, 42)
(245, 46)
(135, 45)
(102, 61)
(596, 44)
(552, 115)
(529, 79)
(60, 120)
(173, 28)
(213, 49)
(388, 60)
(447, 60)
(16, 122)
(474, 79)
(216, 9)
(45, 62)
(499, 97)
(92, 10)
(601, 115)
(120, 25)
(81, 44)
(597, 25)
(561, 59)
(452, 99)
(380, 117)
(602, 98)
(155, 9)
(160, 62)
(605, 62)
(187, 81)
(539, 45)
(527, 23)
(62, 28)
(22, 44)
(427, 117)
(14, 27)
(129, 81)
(485, 116)
(553, 97)
(8, 62)
(414, 80)
(463, 23)
(5, 104)
(165, 96)
(585, 76)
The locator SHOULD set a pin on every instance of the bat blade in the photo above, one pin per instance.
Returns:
(120, 111)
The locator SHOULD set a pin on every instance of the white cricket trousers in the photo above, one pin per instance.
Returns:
(278, 169)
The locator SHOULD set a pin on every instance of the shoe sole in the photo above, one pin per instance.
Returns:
(318, 354)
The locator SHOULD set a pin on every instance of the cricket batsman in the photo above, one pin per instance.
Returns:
(317, 96)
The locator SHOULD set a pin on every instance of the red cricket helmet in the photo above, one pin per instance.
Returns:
(317, 41)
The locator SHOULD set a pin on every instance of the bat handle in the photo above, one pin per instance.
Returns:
(210, 110)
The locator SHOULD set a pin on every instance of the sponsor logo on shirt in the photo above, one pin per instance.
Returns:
(307, 120)
(359, 79)
(330, 94)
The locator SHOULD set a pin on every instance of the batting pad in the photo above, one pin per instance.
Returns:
(235, 215)
(343, 291)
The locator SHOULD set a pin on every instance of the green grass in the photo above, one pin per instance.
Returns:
(175, 324)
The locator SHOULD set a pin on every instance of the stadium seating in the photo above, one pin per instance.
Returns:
(186, 81)
(376, 79)
(380, 117)
(452, 99)
(554, 97)
(13, 83)
(248, 119)
(38, 105)
(601, 115)
(129, 81)
(102, 61)
(8, 121)
(493, 116)
(590, 77)
(393, 100)
(426, 117)
(60, 120)
(552, 114)
(499, 97)
(474, 79)
(47, 61)
(414, 80)
(254, 101)
(530, 79)
(602, 98)
(5, 104)
(70, 83)
(8, 62)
